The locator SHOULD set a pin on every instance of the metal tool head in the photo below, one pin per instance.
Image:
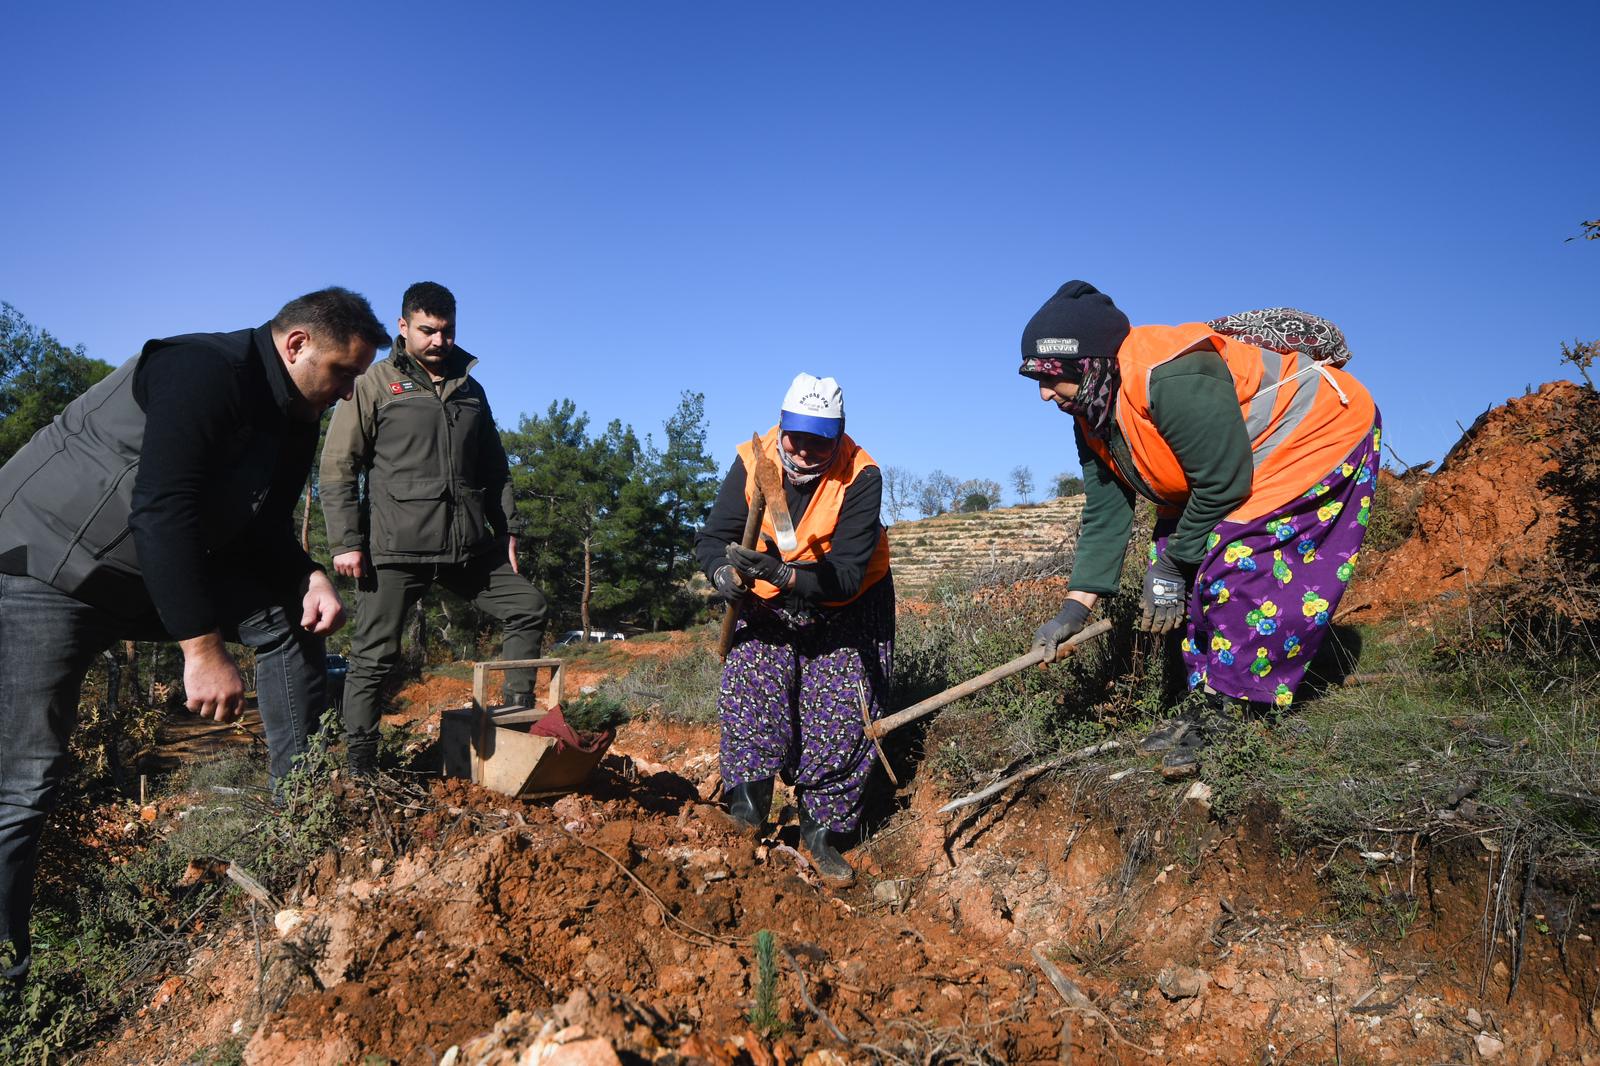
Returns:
(770, 480)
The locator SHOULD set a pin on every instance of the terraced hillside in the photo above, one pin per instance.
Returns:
(960, 544)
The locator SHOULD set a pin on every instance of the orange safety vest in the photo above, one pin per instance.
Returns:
(814, 531)
(1299, 426)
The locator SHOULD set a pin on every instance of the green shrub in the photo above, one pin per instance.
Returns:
(103, 931)
(680, 688)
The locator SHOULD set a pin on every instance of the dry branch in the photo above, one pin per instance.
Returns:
(1077, 1000)
(1030, 773)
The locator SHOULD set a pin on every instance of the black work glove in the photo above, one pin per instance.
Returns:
(727, 584)
(1165, 600)
(1062, 626)
(753, 564)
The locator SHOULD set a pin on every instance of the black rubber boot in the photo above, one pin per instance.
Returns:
(749, 804)
(830, 864)
(1183, 758)
(1204, 717)
(1169, 736)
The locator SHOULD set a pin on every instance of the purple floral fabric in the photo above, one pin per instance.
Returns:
(1267, 589)
(790, 702)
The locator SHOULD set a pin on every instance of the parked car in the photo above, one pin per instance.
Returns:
(596, 636)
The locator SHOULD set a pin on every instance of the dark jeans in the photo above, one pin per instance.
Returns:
(388, 597)
(48, 641)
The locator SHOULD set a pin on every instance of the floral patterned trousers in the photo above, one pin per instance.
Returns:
(790, 703)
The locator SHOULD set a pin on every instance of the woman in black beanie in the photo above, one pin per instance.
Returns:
(1260, 455)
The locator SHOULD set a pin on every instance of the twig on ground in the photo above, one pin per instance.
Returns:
(805, 997)
(255, 929)
(383, 821)
(661, 904)
(1030, 773)
(1532, 867)
(252, 888)
(1077, 1000)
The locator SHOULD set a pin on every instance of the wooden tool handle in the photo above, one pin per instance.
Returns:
(894, 721)
(752, 531)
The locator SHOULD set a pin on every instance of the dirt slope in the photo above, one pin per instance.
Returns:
(1488, 516)
(462, 918)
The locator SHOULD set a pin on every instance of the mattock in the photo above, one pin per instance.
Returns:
(866, 727)
(1038, 656)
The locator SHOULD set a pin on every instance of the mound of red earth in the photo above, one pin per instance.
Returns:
(617, 925)
(1491, 515)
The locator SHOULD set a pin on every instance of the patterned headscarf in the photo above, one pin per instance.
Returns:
(1284, 329)
(1098, 381)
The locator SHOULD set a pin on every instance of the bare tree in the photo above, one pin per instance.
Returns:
(900, 490)
(1022, 483)
(943, 488)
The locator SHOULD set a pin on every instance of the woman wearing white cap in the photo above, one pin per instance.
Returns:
(816, 628)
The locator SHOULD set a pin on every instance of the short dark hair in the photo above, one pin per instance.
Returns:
(333, 314)
(430, 298)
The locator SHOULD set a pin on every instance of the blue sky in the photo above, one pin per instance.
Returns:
(630, 200)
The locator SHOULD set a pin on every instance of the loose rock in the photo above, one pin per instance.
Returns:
(1181, 982)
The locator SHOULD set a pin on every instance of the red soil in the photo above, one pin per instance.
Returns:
(629, 910)
(1486, 518)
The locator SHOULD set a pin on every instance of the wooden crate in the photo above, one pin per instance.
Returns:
(492, 747)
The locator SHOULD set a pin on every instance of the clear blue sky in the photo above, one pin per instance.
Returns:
(634, 199)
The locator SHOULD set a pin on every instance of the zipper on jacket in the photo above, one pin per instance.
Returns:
(456, 546)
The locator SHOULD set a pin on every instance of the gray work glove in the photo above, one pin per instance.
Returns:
(727, 584)
(1165, 600)
(753, 564)
(1062, 626)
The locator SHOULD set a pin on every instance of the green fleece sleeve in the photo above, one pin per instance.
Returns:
(1196, 411)
(1107, 522)
(346, 455)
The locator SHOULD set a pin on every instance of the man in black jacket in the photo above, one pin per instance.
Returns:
(158, 505)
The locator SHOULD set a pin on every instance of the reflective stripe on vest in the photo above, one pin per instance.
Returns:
(814, 530)
(1297, 430)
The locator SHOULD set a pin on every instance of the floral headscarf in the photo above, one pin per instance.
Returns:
(1098, 381)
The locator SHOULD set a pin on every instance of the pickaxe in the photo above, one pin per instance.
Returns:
(766, 497)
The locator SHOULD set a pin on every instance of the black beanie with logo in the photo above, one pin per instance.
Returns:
(1078, 322)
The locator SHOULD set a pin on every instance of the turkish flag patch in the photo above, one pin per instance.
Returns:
(398, 387)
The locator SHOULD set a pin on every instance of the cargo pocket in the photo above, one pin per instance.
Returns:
(475, 523)
(414, 518)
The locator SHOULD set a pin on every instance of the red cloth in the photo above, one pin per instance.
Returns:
(555, 725)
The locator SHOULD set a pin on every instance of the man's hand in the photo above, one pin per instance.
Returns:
(1165, 600)
(753, 564)
(322, 609)
(352, 564)
(511, 553)
(212, 685)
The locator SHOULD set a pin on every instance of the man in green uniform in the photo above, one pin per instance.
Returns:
(437, 506)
